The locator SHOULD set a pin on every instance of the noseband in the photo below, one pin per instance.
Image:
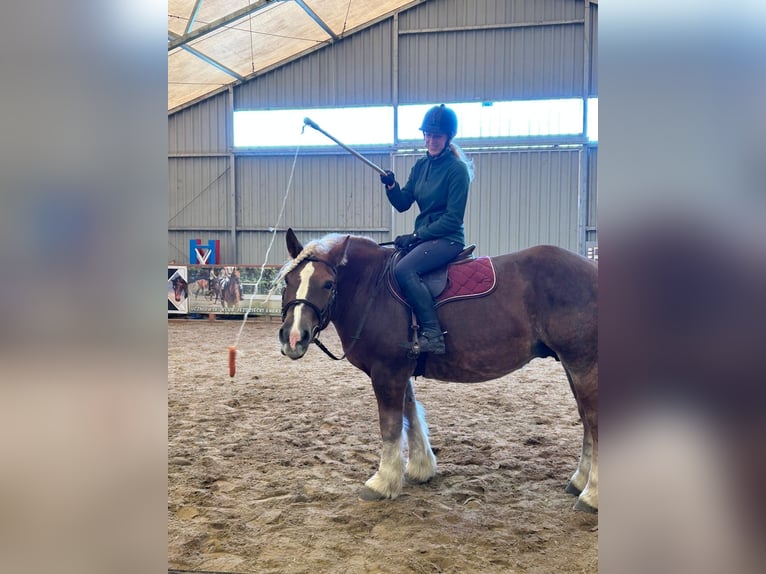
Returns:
(322, 314)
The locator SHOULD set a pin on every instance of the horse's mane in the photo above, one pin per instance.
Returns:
(314, 248)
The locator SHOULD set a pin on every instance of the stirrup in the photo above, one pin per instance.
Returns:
(425, 344)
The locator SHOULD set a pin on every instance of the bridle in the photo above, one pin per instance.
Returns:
(322, 314)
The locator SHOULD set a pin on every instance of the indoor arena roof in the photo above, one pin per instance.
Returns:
(216, 43)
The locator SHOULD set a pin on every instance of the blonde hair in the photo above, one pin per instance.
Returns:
(460, 154)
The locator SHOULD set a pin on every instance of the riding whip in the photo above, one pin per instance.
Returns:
(309, 122)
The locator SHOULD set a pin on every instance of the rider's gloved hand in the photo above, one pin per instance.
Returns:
(388, 179)
(406, 241)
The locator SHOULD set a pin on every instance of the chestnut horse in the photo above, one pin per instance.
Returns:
(544, 305)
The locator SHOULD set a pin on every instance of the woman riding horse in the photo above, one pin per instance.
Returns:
(438, 183)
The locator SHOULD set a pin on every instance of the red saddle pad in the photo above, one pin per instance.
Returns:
(472, 278)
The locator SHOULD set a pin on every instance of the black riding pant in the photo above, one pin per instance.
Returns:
(423, 258)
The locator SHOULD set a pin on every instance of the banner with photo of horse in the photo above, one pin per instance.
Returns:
(178, 290)
(233, 289)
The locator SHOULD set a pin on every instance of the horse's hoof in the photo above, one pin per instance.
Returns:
(367, 494)
(585, 507)
(572, 489)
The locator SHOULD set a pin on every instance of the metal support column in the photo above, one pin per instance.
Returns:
(232, 177)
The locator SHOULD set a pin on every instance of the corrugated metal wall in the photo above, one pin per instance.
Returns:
(491, 50)
(202, 128)
(448, 50)
(592, 222)
(519, 198)
(355, 71)
(464, 66)
(523, 199)
(448, 13)
(329, 192)
(199, 192)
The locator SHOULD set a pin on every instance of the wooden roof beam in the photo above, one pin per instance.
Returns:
(220, 23)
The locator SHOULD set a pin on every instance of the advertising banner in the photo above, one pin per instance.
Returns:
(233, 289)
(178, 290)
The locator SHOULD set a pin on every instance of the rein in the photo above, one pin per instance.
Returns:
(355, 337)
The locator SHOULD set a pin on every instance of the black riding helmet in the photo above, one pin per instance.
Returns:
(440, 120)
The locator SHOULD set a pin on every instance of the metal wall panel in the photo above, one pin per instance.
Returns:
(505, 60)
(327, 193)
(523, 63)
(517, 199)
(593, 87)
(592, 222)
(460, 13)
(255, 245)
(522, 199)
(354, 71)
(202, 128)
(198, 194)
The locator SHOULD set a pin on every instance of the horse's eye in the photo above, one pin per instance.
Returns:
(328, 285)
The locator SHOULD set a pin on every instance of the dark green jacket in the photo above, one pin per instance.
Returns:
(440, 187)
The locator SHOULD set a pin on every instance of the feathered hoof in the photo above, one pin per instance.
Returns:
(572, 489)
(585, 507)
(366, 494)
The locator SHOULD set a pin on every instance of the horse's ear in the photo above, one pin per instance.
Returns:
(345, 245)
(294, 246)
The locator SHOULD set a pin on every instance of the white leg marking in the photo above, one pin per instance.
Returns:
(589, 495)
(580, 477)
(388, 480)
(303, 290)
(422, 463)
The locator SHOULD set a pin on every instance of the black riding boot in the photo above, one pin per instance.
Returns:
(419, 297)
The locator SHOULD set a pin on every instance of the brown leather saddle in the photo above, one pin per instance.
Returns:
(463, 277)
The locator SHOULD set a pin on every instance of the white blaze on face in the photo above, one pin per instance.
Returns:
(303, 290)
